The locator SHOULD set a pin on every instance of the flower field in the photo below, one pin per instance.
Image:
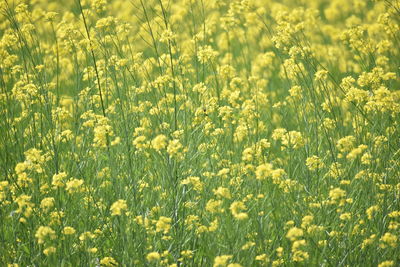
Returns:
(200, 133)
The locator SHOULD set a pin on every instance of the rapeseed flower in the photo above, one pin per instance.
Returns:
(44, 233)
(118, 207)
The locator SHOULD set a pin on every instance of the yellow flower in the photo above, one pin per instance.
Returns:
(394, 214)
(371, 210)
(34, 156)
(118, 207)
(163, 224)
(167, 36)
(92, 250)
(206, 54)
(101, 132)
(159, 142)
(386, 264)
(366, 158)
(278, 133)
(98, 5)
(74, 185)
(50, 16)
(298, 244)
(356, 151)
(47, 203)
(213, 226)
(321, 75)
(293, 139)
(294, 233)
(58, 179)
(335, 170)
(24, 205)
(237, 208)
(195, 181)
(86, 235)
(264, 171)
(279, 251)
(295, 91)
(314, 162)
(108, 261)
(247, 154)
(222, 192)
(44, 232)
(153, 256)
(337, 193)
(140, 142)
(175, 149)
(248, 245)
(388, 239)
(278, 262)
(222, 261)
(346, 144)
(214, 206)
(262, 258)
(299, 256)
(306, 221)
(345, 216)
(368, 241)
(223, 173)
(187, 254)
(49, 250)
(68, 230)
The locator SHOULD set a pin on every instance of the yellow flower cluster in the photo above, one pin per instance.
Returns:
(199, 133)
